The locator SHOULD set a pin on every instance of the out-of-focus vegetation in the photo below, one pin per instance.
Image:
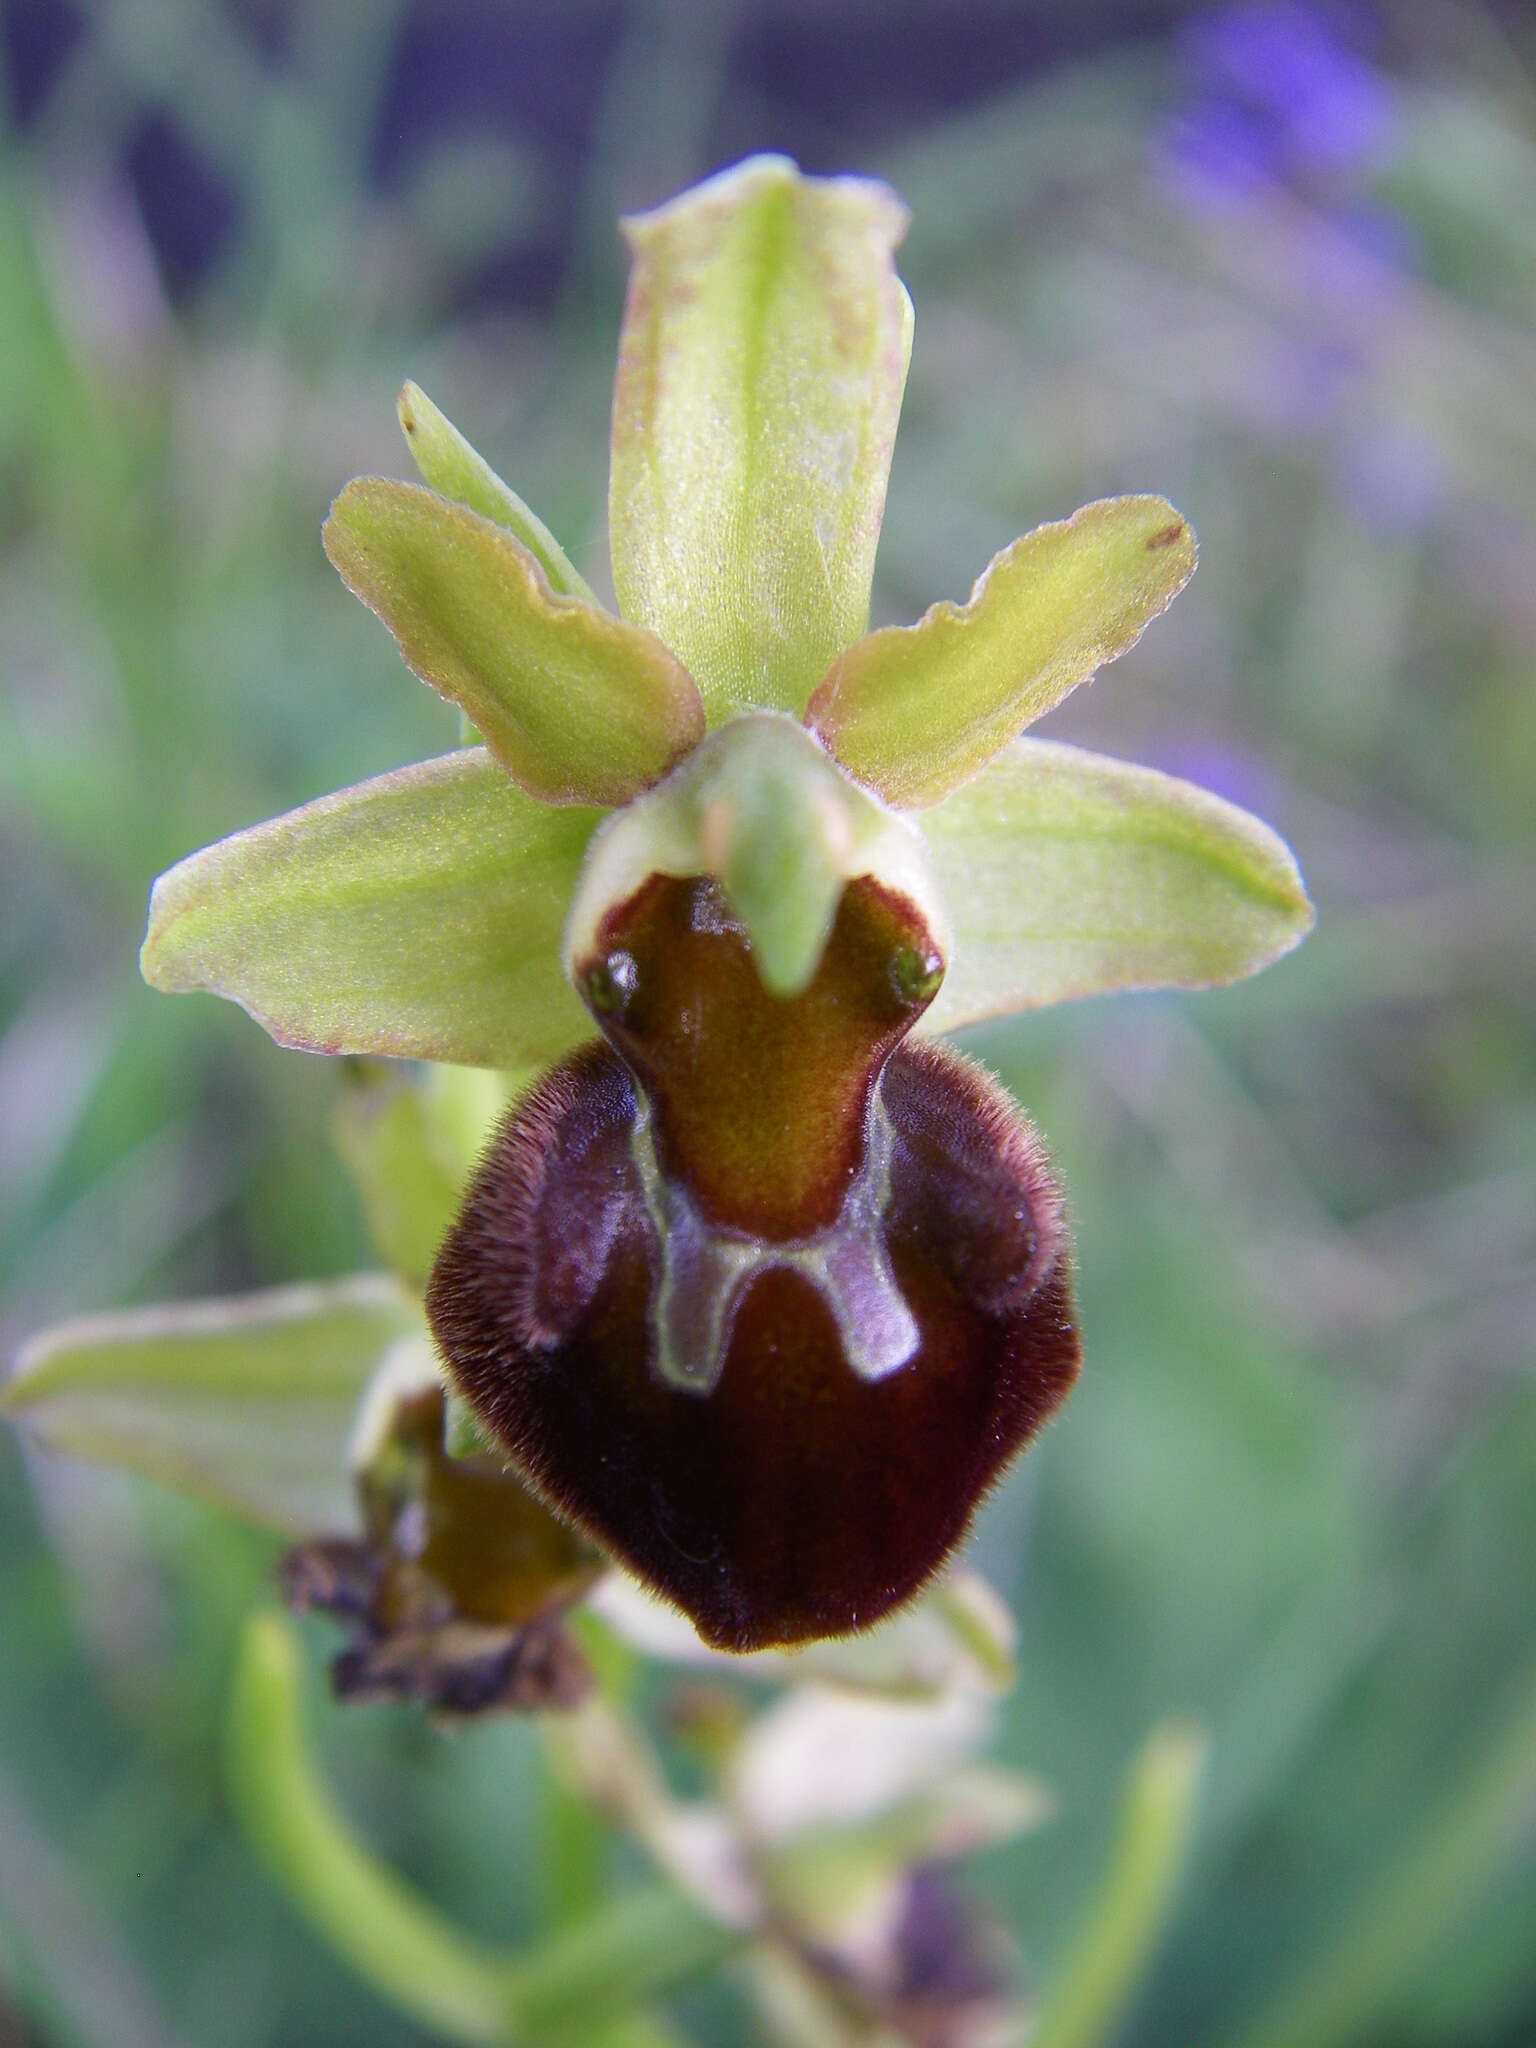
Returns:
(1278, 263)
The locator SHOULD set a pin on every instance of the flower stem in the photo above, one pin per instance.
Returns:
(1124, 1922)
(570, 1989)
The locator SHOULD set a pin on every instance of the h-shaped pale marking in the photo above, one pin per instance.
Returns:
(707, 1268)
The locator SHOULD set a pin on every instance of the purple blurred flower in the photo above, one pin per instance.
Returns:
(1280, 94)
(1224, 768)
(1391, 478)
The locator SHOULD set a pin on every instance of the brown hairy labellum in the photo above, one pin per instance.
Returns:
(758, 1296)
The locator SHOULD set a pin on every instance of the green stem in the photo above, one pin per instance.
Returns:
(1478, 1829)
(463, 1990)
(1126, 1919)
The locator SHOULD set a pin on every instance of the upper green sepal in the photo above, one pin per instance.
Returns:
(578, 706)
(764, 351)
(913, 710)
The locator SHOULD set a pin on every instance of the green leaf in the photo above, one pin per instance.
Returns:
(1068, 874)
(914, 710)
(417, 915)
(578, 706)
(449, 464)
(248, 1403)
(764, 351)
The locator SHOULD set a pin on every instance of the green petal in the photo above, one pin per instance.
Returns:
(914, 710)
(449, 464)
(249, 1404)
(1069, 874)
(417, 915)
(576, 705)
(765, 346)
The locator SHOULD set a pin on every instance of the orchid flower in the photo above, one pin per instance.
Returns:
(758, 1285)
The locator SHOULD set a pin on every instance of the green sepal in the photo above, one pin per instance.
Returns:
(249, 1404)
(449, 464)
(579, 707)
(1070, 874)
(912, 711)
(761, 366)
(417, 915)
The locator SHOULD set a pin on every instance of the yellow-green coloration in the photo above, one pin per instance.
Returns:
(409, 1148)
(576, 705)
(1069, 874)
(464, 909)
(450, 465)
(761, 367)
(417, 915)
(914, 710)
(248, 1403)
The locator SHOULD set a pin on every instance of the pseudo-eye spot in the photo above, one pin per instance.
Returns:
(760, 1295)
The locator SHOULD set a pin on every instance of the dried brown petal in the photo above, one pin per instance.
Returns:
(455, 1595)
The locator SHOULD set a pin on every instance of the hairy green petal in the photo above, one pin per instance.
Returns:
(249, 1404)
(417, 915)
(449, 464)
(914, 710)
(761, 366)
(578, 706)
(1068, 874)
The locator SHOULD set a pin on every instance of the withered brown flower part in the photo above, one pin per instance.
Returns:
(763, 1299)
(456, 1594)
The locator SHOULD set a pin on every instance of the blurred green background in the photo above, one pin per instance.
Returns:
(1277, 261)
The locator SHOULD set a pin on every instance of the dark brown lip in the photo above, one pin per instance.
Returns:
(809, 1478)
